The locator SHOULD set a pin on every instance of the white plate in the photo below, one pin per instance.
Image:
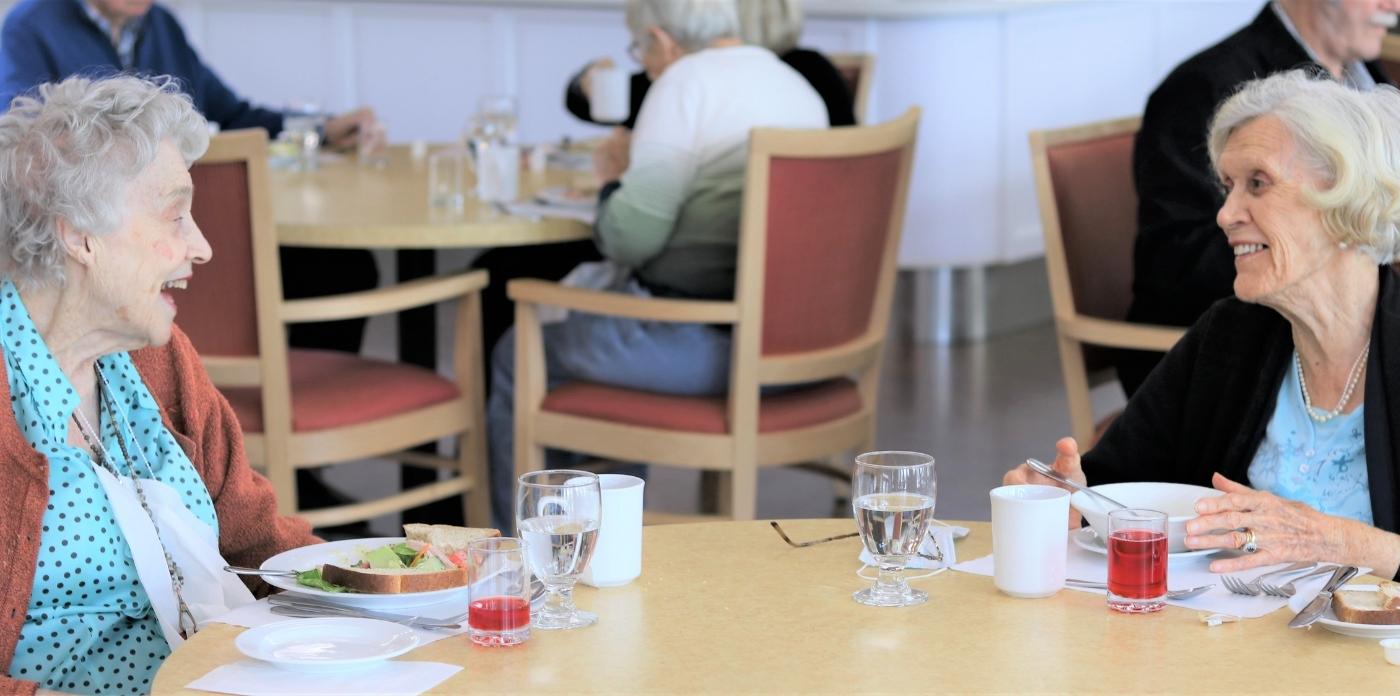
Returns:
(326, 645)
(1329, 621)
(345, 553)
(1086, 538)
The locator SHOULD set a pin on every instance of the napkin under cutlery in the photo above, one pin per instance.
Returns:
(252, 677)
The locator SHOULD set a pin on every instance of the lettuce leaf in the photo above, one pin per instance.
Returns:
(312, 578)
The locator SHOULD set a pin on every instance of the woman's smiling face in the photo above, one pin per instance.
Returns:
(1277, 237)
(152, 253)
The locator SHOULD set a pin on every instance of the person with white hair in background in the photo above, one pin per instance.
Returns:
(122, 465)
(668, 212)
(1180, 263)
(1286, 396)
(773, 24)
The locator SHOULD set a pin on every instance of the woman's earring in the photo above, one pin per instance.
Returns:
(1343, 245)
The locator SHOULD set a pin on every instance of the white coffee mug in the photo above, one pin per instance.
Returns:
(617, 559)
(609, 98)
(1030, 533)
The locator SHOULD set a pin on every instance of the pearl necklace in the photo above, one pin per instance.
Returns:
(1353, 378)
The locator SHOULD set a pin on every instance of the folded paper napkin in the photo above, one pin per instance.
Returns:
(389, 677)
(936, 551)
(260, 612)
(1182, 573)
(540, 209)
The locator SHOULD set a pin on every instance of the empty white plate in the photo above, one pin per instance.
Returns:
(329, 644)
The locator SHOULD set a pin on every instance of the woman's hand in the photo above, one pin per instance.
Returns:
(1285, 531)
(1066, 464)
(613, 155)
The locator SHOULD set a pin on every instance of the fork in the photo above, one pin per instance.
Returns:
(1289, 589)
(1252, 588)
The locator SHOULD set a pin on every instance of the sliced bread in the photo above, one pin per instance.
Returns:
(393, 580)
(1382, 608)
(447, 538)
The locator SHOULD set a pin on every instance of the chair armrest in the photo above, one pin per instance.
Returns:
(539, 292)
(1120, 334)
(395, 298)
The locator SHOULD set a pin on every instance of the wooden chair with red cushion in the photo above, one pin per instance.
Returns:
(858, 69)
(310, 408)
(822, 216)
(1088, 213)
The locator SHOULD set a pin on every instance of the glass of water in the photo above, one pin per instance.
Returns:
(892, 496)
(496, 118)
(558, 513)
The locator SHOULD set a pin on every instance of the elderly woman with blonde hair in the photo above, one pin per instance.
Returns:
(1286, 396)
(123, 467)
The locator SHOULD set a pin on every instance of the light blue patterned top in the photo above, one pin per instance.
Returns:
(89, 627)
(1321, 464)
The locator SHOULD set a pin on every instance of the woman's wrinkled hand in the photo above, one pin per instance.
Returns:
(1066, 464)
(1284, 530)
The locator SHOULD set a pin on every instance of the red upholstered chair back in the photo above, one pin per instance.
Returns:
(1093, 181)
(827, 229)
(823, 211)
(219, 309)
(1096, 203)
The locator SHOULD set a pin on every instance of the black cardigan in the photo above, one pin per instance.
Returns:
(813, 66)
(1181, 263)
(1206, 406)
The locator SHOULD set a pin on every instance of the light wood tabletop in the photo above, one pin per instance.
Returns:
(728, 607)
(346, 205)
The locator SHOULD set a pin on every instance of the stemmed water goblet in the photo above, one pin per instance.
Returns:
(893, 495)
(558, 514)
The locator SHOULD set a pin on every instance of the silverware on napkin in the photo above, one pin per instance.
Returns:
(1319, 604)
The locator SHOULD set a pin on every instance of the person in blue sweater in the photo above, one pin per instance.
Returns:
(48, 40)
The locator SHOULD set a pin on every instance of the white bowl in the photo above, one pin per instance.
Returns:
(1178, 500)
(1392, 650)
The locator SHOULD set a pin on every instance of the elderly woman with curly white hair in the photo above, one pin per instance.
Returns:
(1287, 396)
(121, 465)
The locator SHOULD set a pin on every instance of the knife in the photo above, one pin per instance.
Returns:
(329, 609)
(1319, 604)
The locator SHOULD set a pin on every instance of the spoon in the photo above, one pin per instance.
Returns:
(1171, 594)
(1044, 470)
(241, 570)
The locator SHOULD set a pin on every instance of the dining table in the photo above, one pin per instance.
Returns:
(728, 607)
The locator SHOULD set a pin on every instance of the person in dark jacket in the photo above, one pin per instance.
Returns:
(1181, 263)
(1280, 396)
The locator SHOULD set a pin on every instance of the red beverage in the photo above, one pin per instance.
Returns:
(498, 614)
(1137, 564)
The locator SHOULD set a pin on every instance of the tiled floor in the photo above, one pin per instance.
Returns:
(978, 408)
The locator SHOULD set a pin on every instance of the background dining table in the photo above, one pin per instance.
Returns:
(727, 607)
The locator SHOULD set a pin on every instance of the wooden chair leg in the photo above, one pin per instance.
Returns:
(472, 461)
(743, 491)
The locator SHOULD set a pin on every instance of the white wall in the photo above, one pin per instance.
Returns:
(984, 74)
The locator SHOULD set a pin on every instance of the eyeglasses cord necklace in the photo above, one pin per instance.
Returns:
(94, 441)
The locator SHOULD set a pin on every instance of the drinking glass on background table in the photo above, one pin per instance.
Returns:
(892, 495)
(447, 177)
(558, 514)
(498, 600)
(496, 118)
(1137, 560)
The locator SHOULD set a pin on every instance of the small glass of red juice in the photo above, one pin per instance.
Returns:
(1137, 560)
(498, 595)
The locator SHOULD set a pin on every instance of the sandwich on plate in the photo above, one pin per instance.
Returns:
(431, 557)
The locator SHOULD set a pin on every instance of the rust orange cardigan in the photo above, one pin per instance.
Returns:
(250, 530)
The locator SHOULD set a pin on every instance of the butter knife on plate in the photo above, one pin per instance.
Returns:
(1318, 606)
